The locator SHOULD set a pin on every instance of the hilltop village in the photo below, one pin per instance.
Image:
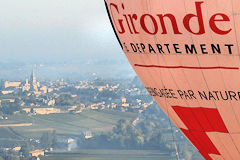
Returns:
(53, 97)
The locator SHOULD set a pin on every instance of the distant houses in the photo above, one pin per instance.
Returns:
(32, 86)
(37, 153)
(42, 110)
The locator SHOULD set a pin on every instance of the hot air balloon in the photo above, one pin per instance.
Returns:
(186, 53)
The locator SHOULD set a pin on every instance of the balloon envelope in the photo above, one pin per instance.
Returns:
(186, 53)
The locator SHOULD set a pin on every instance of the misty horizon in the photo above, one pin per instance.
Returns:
(58, 38)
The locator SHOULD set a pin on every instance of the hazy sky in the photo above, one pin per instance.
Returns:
(62, 28)
(58, 31)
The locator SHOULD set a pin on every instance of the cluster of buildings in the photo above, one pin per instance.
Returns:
(46, 94)
(31, 85)
(100, 88)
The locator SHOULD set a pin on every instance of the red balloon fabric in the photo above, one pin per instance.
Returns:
(186, 53)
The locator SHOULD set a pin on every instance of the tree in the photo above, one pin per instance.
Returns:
(187, 155)
(25, 149)
(48, 139)
(12, 157)
(9, 108)
(157, 141)
(127, 135)
(54, 139)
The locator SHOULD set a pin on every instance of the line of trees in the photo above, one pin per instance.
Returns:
(126, 136)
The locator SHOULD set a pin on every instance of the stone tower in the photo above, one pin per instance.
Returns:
(33, 82)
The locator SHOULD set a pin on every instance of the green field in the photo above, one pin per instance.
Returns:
(108, 155)
(68, 124)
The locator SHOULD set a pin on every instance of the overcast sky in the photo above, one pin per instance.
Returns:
(58, 29)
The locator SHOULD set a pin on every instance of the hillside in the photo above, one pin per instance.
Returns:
(71, 124)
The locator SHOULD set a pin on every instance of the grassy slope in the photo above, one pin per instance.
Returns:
(72, 124)
(7, 133)
(109, 155)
